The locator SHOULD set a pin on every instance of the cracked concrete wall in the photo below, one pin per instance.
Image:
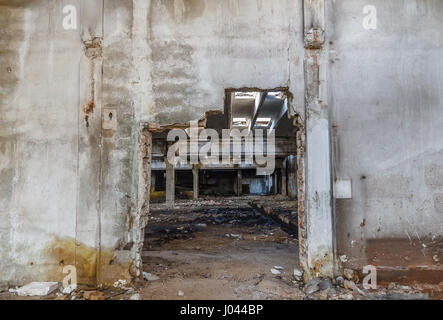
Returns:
(201, 47)
(385, 92)
(39, 101)
(66, 167)
(71, 104)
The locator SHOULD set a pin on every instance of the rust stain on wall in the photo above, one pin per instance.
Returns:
(89, 262)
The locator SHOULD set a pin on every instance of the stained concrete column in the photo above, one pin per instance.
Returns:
(170, 184)
(292, 177)
(195, 181)
(283, 180)
(90, 205)
(275, 182)
(239, 183)
(317, 257)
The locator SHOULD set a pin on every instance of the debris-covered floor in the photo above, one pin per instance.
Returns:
(232, 249)
(228, 249)
(218, 250)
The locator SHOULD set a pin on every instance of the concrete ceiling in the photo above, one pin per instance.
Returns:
(273, 107)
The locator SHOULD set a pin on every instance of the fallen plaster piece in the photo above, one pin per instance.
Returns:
(135, 297)
(274, 271)
(37, 289)
(298, 273)
(278, 268)
(120, 284)
(150, 277)
(69, 289)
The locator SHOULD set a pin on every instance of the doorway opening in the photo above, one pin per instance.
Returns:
(226, 229)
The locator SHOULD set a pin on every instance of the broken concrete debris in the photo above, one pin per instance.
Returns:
(298, 274)
(93, 295)
(325, 284)
(37, 289)
(275, 271)
(150, 277)
(135, 296)
(69, 289)
(312, 286)
(122, 284)
(348, 273)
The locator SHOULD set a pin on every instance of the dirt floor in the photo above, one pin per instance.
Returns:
(229, 249)
(218, 252)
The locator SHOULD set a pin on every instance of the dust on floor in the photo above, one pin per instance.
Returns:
(226, 249)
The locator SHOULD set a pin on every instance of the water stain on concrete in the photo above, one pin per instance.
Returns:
(92, 265)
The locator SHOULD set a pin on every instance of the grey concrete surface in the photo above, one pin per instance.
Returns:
(71, 102)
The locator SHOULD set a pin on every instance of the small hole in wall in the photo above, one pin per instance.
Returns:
(110, 115)
(363, 177)
(62, 262)
(111, 262)
(8, 69)
(31, 263)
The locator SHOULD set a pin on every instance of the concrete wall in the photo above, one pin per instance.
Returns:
(201, 47)
(68, 187)
(385, 93)
(39, 147)
(69, 171)
(68, 168)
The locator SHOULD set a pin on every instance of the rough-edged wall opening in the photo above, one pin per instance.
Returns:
(186, 200)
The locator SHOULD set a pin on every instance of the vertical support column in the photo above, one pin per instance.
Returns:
(170, 184)
(90, 189)
(144, 160)
(292, 177)
(318, 255)
(275, 182)
(283, 180)
(195, 181)
(239, 183)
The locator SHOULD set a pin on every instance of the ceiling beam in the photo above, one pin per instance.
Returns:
(260, 101)
(283, 112)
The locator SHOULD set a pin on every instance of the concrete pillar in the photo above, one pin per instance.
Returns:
(195, 181)
(275, 182)
(170, 184)
(239, 183)
(292, 177)
(144, 193)
(283, 180)
(317, 258)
